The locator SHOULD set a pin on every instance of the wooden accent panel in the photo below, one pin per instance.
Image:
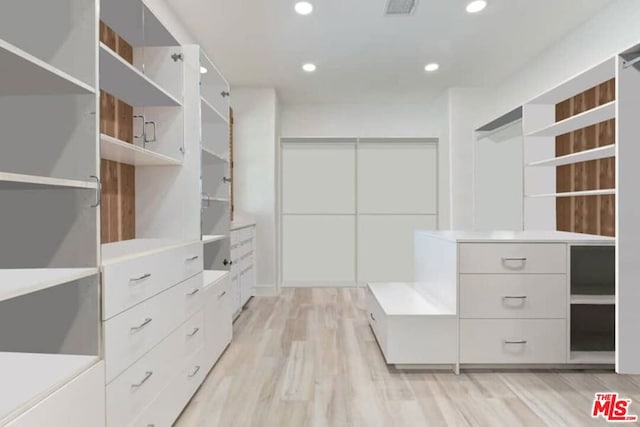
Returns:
(231, 160)
(118, 179)
(593, 214)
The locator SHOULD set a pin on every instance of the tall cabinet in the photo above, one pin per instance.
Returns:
(49, 196)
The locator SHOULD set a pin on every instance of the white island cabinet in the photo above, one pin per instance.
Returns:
(500, 299)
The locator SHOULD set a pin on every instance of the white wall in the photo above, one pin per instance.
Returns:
(255, 169)
(168, 18)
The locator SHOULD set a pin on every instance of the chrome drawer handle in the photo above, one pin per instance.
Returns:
(193, 292)
(138, 279)
(518, 297)
(142, 325)
(147, 375)
(222, 294)
(195, 331)
(516, 342)
(373, 318)
(193, 258)
(195, 371)
(506, 259)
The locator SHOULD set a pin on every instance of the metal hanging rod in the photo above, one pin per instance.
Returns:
(627, 64)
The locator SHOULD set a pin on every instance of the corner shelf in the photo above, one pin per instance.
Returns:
(210, 114)
(582, 156)
(124, 81)
(593, 299)
(579, 121)
(206, 239)
(15, 180)
(575, 194)
(211, 153)
(24, 74)
(17, 282)
(593, 357)
(123, 152)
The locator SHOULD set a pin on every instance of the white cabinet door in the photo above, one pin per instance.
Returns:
(318, 178)
(319, 249)
(397, 178)
(385, 246)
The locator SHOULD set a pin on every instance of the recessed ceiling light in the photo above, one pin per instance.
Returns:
(203, 70)
(431, 67)
(309, 68)
(476, 6)
(303, 7)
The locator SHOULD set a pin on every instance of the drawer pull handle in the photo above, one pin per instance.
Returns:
(142, 325)
(193, 292)
(506, 259)
(518, 297)
(138, 279)
(147, 375)
(195, 331)
(516, 342)
(222, 294)
(195, 371)
(373, 318)
(193, 258)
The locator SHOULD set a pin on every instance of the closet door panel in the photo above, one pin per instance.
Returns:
(318, 178)
(385, 246)
(319, 249)
(397, 177)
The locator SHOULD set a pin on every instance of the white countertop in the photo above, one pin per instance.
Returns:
(404, 299)
(530, 236)
(242, 222)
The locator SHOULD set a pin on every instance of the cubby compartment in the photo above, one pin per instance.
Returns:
(215, 180)
(215, 138)
(593, 270)
(51, 136)
(215, 220)
(214, 92)
(592, 328)
(59, 33)
(216, 256)
(160, 130)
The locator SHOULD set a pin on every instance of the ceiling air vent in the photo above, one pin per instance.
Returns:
(400, 7)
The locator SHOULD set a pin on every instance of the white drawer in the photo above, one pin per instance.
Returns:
(136, 387)
(513, 341)
(131, 334)
(506, 296)
(218, 318)
(377, 320)
(80, 403)
(130, 282)
(510, 258)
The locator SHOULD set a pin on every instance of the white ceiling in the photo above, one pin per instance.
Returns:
(363, 56)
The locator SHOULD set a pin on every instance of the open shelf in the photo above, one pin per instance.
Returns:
(29, 377)
(123, 152)
(124, 81)
(19, 181)
(129, 249)
(210, 114)
(24, 74)
(576, 193)
(211, 154)
(582, 156)
(212, 276)
(593, 357)
(213, 238)
(579, 121)
(593, 299)
(16, 282)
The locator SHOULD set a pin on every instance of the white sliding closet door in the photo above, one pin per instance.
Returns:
(318, 212)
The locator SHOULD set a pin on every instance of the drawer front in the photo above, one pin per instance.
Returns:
(513, 341)
(130, 282)
(218, 318)
(511, 296)
(136, 387)
(377, 320)
(131, 334)
(510, 258)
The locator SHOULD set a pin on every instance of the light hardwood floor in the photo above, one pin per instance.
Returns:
(308, 358)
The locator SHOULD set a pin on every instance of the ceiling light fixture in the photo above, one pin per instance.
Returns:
(303, 8)
(203, 70)
(309, 68)
(431, 67)
(476, 6)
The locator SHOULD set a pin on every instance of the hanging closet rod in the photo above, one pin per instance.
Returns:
(627, 64)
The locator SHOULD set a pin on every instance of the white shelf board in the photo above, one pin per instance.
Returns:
(593, 357)
(210, 114)
(579, 121)
(124, 81)
(575, 194)
(213, 238)
(578, 84)
(211, 153)
(583, 156)
(32, 181)
(17, 282)
(134, 248)
(28, 377)
(123, 152)
(210, 277)
(24, 74)
(593, 299)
